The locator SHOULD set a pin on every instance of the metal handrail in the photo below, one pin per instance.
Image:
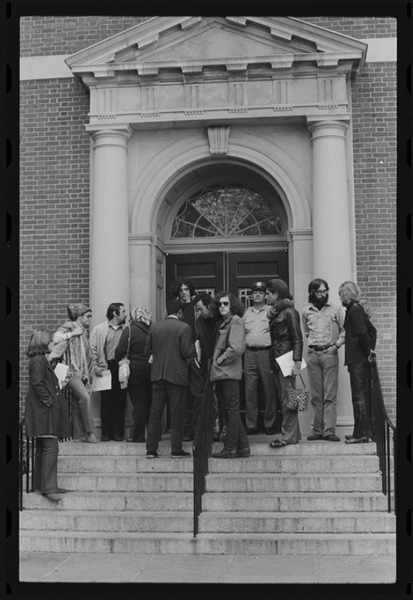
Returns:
(201, 451)
(382, 430)
(27, 453)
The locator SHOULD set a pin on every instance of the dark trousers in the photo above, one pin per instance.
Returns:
(194, 396)
(162, 392)
(112, 406)
(359, 381)
(228, 395)
(140, 394)
(47, 450)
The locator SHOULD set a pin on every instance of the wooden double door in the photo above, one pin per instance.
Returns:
(214, 272)
(229, 271)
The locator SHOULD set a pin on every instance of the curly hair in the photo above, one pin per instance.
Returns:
(177, 283)
(235, 305)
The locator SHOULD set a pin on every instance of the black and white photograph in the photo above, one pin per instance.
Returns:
(180, 186)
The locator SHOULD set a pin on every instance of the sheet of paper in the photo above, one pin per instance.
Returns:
(287, 364)
(102, 383)
(61, 372)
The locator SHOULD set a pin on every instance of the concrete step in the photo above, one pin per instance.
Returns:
(129, 482)
(297, 464)
(260, 463)
(111, 521)
(309, 482)
(110, 500)
(123, 464)
(293, 501)
(204, 543)
(297, 522)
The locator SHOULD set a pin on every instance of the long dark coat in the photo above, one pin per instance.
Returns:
(46, 411)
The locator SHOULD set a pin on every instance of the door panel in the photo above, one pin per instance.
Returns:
(246, 267)
(205, 269)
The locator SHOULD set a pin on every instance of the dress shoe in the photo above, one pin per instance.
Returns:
(348, 436)
(53, 497)
(224, 453)
(251, 431)
(119, 438)
(362, 440)
(62, 491)
(269, 431)
(188, 437)
(314, 436)
(180, 454)
(91, 438)
(243, 452)
(105, 438)
(151, 454)
(135, 441)
(332, 437)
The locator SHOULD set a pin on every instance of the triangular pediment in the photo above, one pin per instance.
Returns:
(191, 44)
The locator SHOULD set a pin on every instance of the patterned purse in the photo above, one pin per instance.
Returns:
(296, 399)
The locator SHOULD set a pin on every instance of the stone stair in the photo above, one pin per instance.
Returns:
(313, 497)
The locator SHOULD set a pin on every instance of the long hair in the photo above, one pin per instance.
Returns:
(39, 342)
(235, 305)
(113, 309)
(176, 286)
(314, 286)
(350, 290)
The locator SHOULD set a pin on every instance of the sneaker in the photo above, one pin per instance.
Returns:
(151, 454)
(91, 438)
(180, 454)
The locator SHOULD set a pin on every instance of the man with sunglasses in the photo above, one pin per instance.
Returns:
(323, 325)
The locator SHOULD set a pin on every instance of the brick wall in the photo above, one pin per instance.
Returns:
(54, 166)
(54, 205)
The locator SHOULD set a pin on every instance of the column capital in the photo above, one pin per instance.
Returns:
(327, 127)
(114, 136)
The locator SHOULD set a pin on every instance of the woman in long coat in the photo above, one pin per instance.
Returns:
(286, 335)
(226, 371)
(46, 414)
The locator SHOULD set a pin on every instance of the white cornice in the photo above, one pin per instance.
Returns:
(54, 67)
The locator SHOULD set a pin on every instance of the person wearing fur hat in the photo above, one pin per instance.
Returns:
(132, 344)
(71, 347)
(285, 336)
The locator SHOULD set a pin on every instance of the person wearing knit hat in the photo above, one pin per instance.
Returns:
(132, 344)
(71, 347)
(285, 336)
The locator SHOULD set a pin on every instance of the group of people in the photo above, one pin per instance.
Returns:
(202, 340)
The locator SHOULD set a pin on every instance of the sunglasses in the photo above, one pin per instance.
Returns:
(223, 303)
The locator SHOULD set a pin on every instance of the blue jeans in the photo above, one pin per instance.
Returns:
(323, 378)
(228, 395)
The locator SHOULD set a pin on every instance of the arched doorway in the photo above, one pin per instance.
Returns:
(228, 227)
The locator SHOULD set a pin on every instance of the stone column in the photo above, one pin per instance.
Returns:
(109, 222)
(332, 249)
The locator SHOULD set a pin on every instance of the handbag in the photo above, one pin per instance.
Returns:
(296, 399)
(124, 370)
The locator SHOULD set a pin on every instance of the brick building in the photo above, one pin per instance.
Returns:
(126, 123)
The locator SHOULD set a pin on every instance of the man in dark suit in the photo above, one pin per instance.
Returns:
(170, 344)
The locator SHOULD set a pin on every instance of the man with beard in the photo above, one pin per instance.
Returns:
(104, 340)
(323, 325)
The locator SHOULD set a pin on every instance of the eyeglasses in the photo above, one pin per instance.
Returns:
(321, 292)
(223, 303)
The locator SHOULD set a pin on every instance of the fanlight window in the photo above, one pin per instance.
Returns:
(226, 211)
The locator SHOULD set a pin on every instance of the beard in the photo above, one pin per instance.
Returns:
(320, 302)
